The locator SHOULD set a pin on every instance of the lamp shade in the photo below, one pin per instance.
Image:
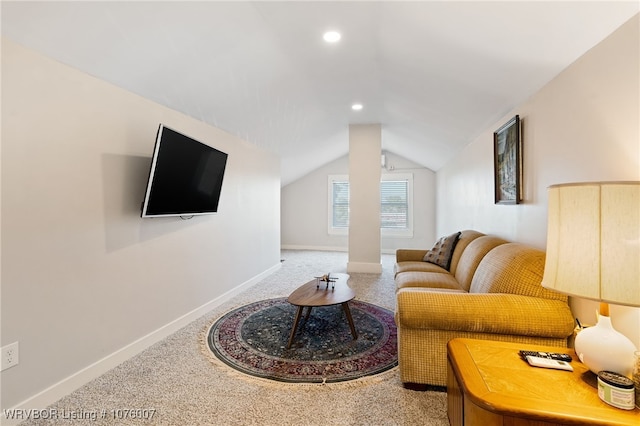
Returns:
(593, 241)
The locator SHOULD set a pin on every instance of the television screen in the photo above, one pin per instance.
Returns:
(185, 177)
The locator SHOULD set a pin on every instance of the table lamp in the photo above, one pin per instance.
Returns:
(593, 252)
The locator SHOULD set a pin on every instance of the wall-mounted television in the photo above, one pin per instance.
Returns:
(185, 178)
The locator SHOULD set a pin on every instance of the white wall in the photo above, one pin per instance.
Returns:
(582, 126)
(305, 208)
(85, 281)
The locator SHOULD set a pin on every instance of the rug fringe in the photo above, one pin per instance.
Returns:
(359, 382)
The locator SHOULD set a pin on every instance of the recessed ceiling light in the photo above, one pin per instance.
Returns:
(331, 36)
(356, 107)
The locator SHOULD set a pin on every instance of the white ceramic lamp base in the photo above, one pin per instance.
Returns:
(602, 348)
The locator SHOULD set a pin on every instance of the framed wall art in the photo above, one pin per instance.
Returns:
(507, 157)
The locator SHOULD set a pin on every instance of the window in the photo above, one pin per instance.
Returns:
(340, 204)
(396, 205)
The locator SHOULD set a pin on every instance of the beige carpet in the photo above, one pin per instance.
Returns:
(183, 386)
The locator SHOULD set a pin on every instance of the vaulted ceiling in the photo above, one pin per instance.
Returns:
(434, 74)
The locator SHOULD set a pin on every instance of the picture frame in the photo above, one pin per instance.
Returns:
(507, 157)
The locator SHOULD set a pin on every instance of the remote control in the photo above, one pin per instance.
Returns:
(549, 363)
(548, 355)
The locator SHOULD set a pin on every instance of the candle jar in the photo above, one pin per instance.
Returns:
(636, 376)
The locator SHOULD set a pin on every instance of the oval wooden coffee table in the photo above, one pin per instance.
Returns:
(317, 293)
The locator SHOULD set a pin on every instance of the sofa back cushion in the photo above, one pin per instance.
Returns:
(464, 239)
(472, 256)
(513, 268)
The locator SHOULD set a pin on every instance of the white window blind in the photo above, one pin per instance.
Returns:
(340, 205)
(394, 204)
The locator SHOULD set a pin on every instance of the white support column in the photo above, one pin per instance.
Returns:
(365, 145)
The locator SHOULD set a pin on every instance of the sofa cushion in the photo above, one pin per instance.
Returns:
(426, 279)
(513, 268)
(442, 251)
(464, 240)
(420, 266)
(472, 256)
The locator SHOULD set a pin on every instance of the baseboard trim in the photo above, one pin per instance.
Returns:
(327, 248)
(98, 368)
(318, 248)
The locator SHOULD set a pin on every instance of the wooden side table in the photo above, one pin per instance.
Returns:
(489, 384)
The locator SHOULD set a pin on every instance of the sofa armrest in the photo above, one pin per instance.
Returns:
(410, 255)
(494, 313)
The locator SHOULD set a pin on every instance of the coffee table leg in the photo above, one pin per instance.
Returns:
(295, 325)
(347, 311)
(306, 317)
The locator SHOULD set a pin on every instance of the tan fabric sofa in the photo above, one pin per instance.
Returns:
(492, 292)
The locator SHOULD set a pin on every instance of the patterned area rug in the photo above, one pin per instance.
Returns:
(253, 339)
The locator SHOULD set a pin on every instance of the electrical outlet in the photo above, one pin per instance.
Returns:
(10, 355)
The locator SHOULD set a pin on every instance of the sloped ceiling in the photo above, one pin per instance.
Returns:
(434, 74)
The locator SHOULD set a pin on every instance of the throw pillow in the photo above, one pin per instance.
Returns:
(442, 251)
